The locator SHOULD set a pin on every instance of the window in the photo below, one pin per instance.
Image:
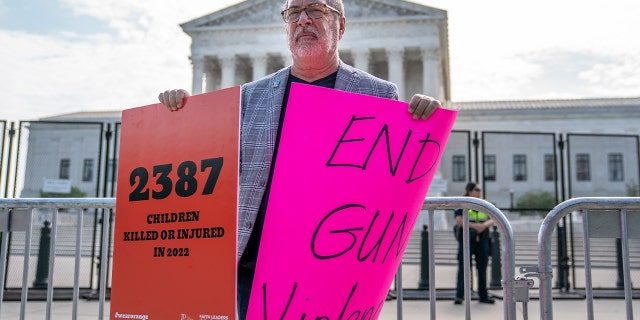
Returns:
(490, 168)
(64, 168)
(615, 167)
(549, 167)
(87, 170)
(459, 171)
(519, 167)
(583, 167)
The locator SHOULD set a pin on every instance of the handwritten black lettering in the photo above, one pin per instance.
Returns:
(355, 149)
(294, 302)
(332, 239)
(429, 166)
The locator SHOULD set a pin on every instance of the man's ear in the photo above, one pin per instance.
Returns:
(343, 26)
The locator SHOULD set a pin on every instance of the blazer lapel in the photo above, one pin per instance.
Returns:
(347, 79)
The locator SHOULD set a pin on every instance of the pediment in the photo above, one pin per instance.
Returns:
(266, 12)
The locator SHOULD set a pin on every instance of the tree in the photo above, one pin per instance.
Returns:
(536, 202)
(632, 189)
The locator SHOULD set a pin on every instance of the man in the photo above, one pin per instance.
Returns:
(314, 28)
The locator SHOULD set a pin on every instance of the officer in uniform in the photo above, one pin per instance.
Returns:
(479, 246)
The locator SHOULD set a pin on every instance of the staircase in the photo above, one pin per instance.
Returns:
(603, 250)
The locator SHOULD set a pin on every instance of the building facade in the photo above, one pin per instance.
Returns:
(401, 41)
(568, 148)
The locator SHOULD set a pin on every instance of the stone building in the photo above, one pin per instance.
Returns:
(569, 148)
(403, 42)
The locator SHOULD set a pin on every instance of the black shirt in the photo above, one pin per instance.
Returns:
(250, 255)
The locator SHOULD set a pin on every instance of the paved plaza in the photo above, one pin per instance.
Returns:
(411, 309)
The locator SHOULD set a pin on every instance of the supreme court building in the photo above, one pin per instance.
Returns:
(403, 42)
(579, 147)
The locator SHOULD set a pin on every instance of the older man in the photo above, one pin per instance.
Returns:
(314, 28)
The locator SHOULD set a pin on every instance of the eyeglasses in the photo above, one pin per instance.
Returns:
(477, 189)
(313, 11)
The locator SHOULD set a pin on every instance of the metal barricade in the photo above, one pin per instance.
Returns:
(620, 224)
(511, 285)
(11, 221)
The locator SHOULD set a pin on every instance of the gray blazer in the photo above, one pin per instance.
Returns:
(260, 114)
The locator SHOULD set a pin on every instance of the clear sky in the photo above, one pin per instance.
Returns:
(62, 56)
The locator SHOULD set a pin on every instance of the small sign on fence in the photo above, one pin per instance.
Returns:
(56, 186)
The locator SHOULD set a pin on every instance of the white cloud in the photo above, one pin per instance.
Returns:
(492, 43)
(619, 77)
(48, 75)
(499, 50)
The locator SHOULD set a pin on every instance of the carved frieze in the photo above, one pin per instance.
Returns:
(265, 12)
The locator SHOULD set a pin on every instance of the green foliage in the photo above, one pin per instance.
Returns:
(632, 189)
(75, 193)
(538, 201)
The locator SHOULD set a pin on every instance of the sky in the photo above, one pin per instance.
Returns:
(64, 56)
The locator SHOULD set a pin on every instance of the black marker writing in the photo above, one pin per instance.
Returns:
(332, 239)
(356, 149)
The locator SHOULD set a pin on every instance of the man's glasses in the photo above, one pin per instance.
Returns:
(477, 189)
(313, 11)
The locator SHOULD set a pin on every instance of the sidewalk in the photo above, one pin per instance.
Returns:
(608, 309)
(562, 309)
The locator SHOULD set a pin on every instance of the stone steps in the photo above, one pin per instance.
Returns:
(603, 251)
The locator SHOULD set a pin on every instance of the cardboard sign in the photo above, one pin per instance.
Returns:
(176, 211)
(351, 175)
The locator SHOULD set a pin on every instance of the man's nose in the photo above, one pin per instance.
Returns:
(304, 18)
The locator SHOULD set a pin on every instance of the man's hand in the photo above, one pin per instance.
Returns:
(174, 99)
(422, 106)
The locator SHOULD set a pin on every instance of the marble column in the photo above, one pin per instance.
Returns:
(259, 63)
(198, 72)
(361, 59)
(396, 70)
(228, 66)
(430, 72)
(210, 83)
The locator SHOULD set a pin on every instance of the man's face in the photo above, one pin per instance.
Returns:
(309, 38)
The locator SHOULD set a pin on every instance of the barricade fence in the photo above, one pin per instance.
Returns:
(18, 216)
(601, 218)
(19, 219)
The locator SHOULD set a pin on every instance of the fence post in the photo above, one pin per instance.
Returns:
(620, 281)
(42, 270)
(562, 281)
(496, 261)
(423, 284)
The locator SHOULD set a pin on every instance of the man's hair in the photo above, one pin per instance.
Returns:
(334, 3)
(337, 4)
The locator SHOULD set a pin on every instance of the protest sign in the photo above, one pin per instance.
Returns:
(176, 211)
(350, 178)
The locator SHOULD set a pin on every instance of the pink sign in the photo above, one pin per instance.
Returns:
(350, 178)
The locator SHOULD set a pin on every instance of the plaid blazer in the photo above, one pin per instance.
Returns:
(260, 114)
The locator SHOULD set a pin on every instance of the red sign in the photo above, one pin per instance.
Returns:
(176, 211)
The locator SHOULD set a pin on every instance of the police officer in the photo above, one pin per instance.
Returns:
(479, 244)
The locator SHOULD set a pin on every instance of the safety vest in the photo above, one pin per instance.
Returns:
(477, 216)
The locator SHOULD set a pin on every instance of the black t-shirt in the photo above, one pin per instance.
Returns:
(250, 255)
